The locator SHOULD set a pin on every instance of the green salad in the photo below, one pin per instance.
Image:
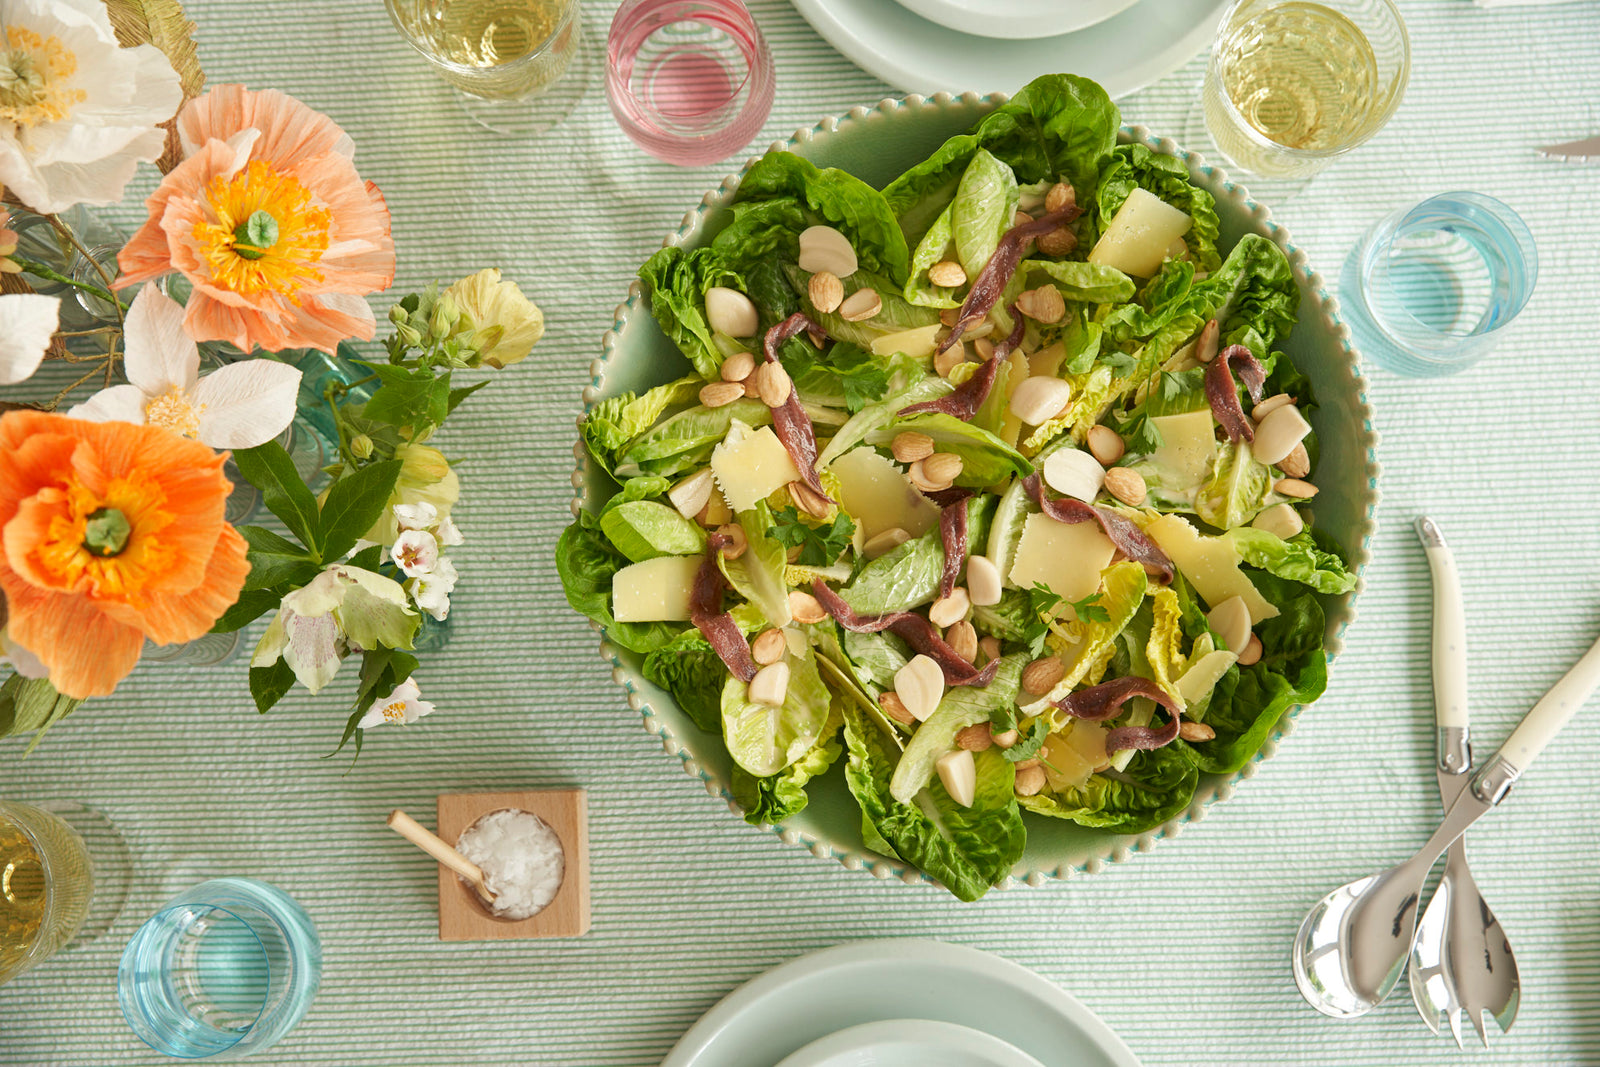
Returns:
(987, 485)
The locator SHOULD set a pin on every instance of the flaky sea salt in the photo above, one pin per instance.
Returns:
(521, 858)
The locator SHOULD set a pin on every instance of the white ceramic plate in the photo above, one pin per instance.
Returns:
(877, 144)
(808, 999)
(1017, 19)
(910, 1043)
(1145, 42)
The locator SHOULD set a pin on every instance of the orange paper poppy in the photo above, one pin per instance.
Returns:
(84, 609)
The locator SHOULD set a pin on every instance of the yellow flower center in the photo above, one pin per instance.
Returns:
(285, 264)
(35, 73)
(395, 712)
(71, 563)
(173, 410)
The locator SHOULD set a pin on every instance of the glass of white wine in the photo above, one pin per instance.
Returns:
(519, 66)
(1294, 84)
(64, 876)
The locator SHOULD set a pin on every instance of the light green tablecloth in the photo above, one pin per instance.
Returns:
(1183, 951)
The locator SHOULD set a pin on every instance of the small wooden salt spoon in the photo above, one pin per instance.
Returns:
(435, 846)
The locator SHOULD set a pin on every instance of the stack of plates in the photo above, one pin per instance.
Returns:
(929, 46)
(900, 1003)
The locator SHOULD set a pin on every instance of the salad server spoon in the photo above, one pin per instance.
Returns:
(1461, 957)
(1353, 944)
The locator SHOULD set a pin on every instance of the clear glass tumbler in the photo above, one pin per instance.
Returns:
(690, 81)
(518, 65)
(1430, 289)
(223, 971)
(1293, 85)
(64, 874)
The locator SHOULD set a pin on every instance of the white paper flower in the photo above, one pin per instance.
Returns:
(431, 591)
(421, 516)
(402, 707)
(448, 533)
(341, 608)
(415, 552)
(77, 113)
(27, 322)
(239, 406)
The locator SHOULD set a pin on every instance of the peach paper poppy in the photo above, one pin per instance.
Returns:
(110, 533)
(269, 220)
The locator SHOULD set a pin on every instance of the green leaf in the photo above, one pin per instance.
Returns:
(645, 529)
(1155, 786)
(690, 669)
(275, 560)
(675, 282)
(985, 459)
(617, 420)
(981, 213)
(1088, 609)
(1298, 559)
(269, 468)
(818, 545)
(1029, 746)
(458, 395)
(251, 605)
(1042, 605)
(961, 707)
(764, 739)
(777, 797)
(408, 396)
(1135, 166)
(269, 684)
(353, 505)
(31, 705)
(369, 558)
(840, 200)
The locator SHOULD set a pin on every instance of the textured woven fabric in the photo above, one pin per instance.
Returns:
(1183, 951)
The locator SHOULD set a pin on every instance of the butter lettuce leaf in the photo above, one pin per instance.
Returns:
(764, 739)
(837, 199)
(1155, 786)
(980, 214)
(1298, 559)
(586, 563)
(690, 669)
(675, 282)
(615, 421)
(780, 796)
(1134, 166)
(985, 459)
(645, 529)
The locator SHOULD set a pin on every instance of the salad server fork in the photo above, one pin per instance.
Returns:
(1353, 945)
(1461, 958)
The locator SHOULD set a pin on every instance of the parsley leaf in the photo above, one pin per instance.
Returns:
(1142, 436)
(818, 545)
(1029, 747)
(1089, 610)
(1041, 602)
(1121, 363)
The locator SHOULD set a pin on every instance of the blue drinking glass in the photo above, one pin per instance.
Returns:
(1430, 289)
(223, 971)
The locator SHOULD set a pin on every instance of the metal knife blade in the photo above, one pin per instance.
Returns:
(1584, 150)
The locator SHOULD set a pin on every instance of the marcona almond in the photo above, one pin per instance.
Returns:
(1205, 349)
(1252, 652)
(949, 610)
(692, 494)
(919, 478)
(737, 367)
(1041, 676)
(826, 291)
(1027, 764)
(716, 394)
(942, 467)
(1030, 781)
(861, 304)
(983, 347)
(1297, 464)
(975, 738)
(752, 388)
(737, 541)
(963, 639)
(1195, 731)
(948, 360)
(947, 273)
(1061, 195)
(768, 647)
(1007, 738)
(1021, 218)
(1043, 304)
(893, 707)
(770, 685)
(773, 383)
(1300, 490)
(1269, 405)
(731, 312)
(950, 316)
(1105, 445)
(809, 500)
(910, 446)
(1126, 485)
(990, 647)
(884, 542)
(1058, 242)
(805, 608)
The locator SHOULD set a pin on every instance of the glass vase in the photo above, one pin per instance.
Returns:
(40, 242)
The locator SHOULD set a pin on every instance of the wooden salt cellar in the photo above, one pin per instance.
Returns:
(462, 917)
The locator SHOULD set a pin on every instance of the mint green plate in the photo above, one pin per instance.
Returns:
(878, 144)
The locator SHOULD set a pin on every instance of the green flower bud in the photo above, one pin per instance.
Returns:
(409, 335)
(397, 315)
(361, 446)
(445, 316)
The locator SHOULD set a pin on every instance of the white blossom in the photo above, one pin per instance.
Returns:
(415, 552)
(27, 322)
(404, 706)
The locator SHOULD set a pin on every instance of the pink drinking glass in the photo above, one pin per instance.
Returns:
(689, 80)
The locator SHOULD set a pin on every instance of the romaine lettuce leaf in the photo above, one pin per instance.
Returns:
(1135, 166)
(645, 529)
(675, 282)
(757, 575)
(764, 739)
(986, 460)
(761, 230)
(1298, 559)
(684, 441)
(1238, 489)
(689, 668)
(896, 315)
(840, 200)
(960, 708)
(1086, 283)
(780, 796)
(981, 213)
(586, 563)
(1155, 786)
(934, 247)
(616, 420)
(876, 657)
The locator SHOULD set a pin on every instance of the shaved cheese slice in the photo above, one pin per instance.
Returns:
(1141, 235)
(1210, 564)
(1188, 443)
(874, 492)
(750, 468)
(1064, 768)
(1203, 675)
(1067, 558)
(656, 590)
(918, 343)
